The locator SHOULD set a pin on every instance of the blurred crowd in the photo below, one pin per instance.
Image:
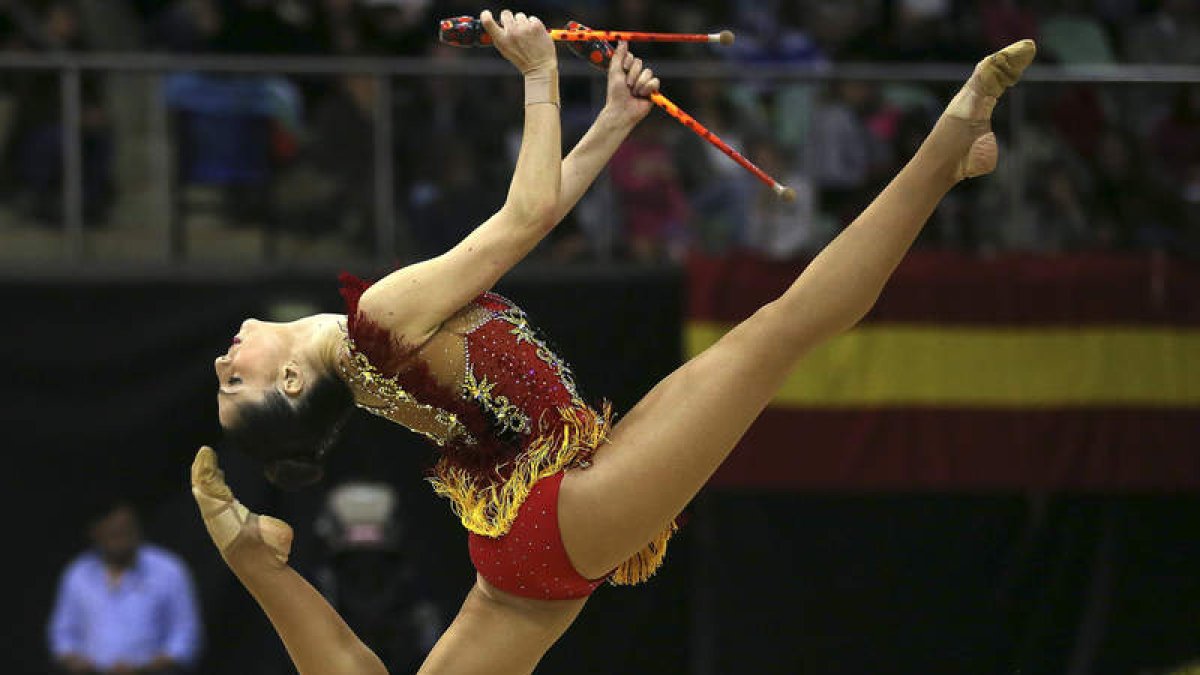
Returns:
(1108, 167)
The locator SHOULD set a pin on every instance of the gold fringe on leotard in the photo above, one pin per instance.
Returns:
(489, 509)
(646, 562)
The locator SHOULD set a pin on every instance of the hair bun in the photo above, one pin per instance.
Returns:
(293, 474)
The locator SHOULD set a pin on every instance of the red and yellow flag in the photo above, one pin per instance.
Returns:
(1018, 372)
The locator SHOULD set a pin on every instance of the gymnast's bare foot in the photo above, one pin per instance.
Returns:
(976, 100)
(242, 537)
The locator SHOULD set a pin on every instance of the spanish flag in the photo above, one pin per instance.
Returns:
(1018, 372)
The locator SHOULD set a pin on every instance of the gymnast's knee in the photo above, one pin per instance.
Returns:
(782, 327)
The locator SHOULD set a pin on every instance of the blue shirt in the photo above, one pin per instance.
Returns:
(150, 612)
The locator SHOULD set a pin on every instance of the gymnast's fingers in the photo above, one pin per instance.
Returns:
(506, 18)
(643, 81)
(490, 25)
(616, 63)
(634, 73)
(651, 87)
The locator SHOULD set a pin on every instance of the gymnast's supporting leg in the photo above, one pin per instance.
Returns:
(256, 549)
(667, 447)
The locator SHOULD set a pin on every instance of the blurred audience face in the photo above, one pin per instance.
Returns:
(62, 25)
(361, 89)
(117, 536)
(857, 94)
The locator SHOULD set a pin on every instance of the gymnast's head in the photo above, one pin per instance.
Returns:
(279, 398)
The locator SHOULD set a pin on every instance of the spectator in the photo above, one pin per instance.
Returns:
(774, 228)
(712, 180)
(445, 208)
(187, 26)
(34, 152)
(332, 183)
(124, 606)
(1170, 35)
(1073, 35)
(1177, 136)
(1126, 213)
(650, 193)
(1081, 113)
(925, 30)
(785, 108)
(843, 152)
(231, 132)
(1116, 15)
(1176, 168)
(1005, 21)
(340, 27)
(1060, 209)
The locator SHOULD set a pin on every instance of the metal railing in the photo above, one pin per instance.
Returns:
(72, 67)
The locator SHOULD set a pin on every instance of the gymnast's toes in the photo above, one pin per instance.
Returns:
(991, 77)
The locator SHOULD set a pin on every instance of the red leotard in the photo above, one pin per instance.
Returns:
(506, 434)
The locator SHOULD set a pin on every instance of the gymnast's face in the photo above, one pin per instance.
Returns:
(259, 360)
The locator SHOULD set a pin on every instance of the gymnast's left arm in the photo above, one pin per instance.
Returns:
(630, 84)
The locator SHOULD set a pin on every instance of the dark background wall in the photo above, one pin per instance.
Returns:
(108, 389)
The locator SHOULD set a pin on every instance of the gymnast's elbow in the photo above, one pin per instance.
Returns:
(538, 214)
(360, 661)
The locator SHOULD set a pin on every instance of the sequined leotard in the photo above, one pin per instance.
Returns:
(506, 433)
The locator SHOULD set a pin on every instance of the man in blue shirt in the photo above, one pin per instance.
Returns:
(124, 606)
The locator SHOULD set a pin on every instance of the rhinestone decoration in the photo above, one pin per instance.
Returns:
(364, 376)
(508, 416)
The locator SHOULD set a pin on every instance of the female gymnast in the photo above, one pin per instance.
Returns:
(556, 498)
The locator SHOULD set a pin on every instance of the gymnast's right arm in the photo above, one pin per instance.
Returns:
(414, 301)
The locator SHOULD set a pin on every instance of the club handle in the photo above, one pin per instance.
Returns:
(463, 31)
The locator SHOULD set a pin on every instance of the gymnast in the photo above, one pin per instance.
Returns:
(557, 498)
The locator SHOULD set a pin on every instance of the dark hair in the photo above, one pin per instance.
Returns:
(293, 438)
(104, 505)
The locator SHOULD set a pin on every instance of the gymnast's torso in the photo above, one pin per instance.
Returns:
(501, 406)
(508, 421)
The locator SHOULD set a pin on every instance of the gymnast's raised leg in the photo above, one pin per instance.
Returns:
(667, 446)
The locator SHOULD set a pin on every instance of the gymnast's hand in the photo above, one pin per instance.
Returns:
(243, 538)
(523, 40)
(630, 85)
